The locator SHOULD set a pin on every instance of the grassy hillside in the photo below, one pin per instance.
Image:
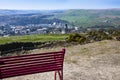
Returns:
(93, 61)
(87, 18)
(33, 38)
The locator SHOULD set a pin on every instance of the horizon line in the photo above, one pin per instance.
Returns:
(64, 9)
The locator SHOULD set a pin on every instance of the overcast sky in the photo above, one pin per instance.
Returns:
(58, 4)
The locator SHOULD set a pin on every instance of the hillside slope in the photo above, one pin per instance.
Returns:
(93, 61)
(87, 18)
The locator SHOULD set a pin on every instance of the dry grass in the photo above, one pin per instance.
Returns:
(93, 61)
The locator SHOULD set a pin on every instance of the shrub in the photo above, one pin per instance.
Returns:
(16, 46)
(98, 35)
(118, 38)
(76, 38)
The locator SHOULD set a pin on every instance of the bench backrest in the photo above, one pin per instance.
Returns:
(30, 64)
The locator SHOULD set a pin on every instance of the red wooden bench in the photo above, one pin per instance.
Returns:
(33, 63)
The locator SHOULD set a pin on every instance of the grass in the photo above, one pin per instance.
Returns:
(33, 38)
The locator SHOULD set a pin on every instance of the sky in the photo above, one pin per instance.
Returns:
(58, 4)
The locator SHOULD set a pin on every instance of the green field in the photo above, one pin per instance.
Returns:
(33, 38)
(91, 17)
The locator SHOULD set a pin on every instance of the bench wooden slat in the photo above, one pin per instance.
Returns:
(30, 61)
(33, 71)
(27, 68)
(29, 64)
(32, 55)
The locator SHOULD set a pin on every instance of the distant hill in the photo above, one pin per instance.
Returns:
(91, 17)
(75, 17)
(24, 17)
(11, 12)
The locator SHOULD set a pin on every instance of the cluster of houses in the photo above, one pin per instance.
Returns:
(55, 28)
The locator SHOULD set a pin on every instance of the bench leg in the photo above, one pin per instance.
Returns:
(55, 75)
(60, 74)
